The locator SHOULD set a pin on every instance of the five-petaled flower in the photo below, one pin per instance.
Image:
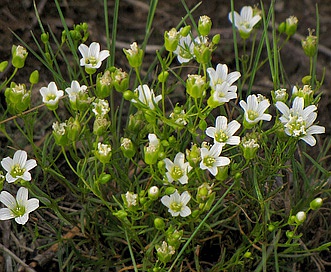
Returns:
(298, 121)
(211, 159)
(223, 132)
(18, 167)
(178, 169)
(92, 56)
(146, 96)
(254, 110)
(177, 203)
(221, 75)
(245, 21)
(51, 95)
(18, 208)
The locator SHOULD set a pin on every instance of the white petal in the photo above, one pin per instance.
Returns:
(20, 157)
(83, 49)
(94, 49)
(179, 159)
(222, 161)
(186, 211)
(210, 131)
(169, 164)
(166, 201)
(32, 205)
(10, 178)
(7, 163)
(26, 176)
(103, 55)
(183, 179)
(30, 164)
(185, 197)
(221, 123)
(22, 219)
(6, 214)
(255, 20)
(7, 199)
(309, 140)
(233, 126)
(232, 77)
(234, 140)
(283, 108)
(22, 195)
(315, 129)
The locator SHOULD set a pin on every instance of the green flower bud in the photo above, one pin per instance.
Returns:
(163, 76)
(19, 55)
(170, 190)
(306, 80)
(104, 178)
(216, 39)
(34, 77)
(193, 155)
(127, 148)
(195, 213)
(18, 98)
(291, 25)
(153, 193)
(44, 37)
(90, 71)
(104, 85)
(73, 129)
(249, 148)
(100, 125)
(247, 254)
(282, 27)
(185, 31)
(271, 227)
(289, 234)
(134, 55)
(128, 95)
(164, 252)
(279, 95)
(122, 215)
(310, 44)
(316, 203)
(196, 86)
(60, 134)
(103, 153)
(120, 80)
(209, 201)
(3, 66)
(171, 40)
(204, 25)
(159, 223)
(202, 53)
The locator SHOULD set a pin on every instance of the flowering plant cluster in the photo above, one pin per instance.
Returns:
(162, 176)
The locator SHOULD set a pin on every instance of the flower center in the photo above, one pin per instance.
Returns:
(17, 171)
(176, 206)
(209, 161)
(296, 126)
(19, 210)
(221, 136)
(176, 172)
(91, 60)
(50, 97)
(252, 115)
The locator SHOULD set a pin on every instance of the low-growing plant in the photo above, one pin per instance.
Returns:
(190, 168)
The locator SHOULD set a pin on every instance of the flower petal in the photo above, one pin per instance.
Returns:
(7, 199)
(32, 204)
(7, 163)
(6, 214)
(20, 157)
(22, 219)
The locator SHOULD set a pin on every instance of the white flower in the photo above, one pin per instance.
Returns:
(223, 94)
(18, 208)
(220, 75)
(210, 158)
(92, 56)
(18, 167)
(298, 121)
(146, 96)
(131, 199)
(184, 50)
(254, 109)
(104, 149)
(223, 132)
(154, 142)
(177, 203)
(177, 170)
(74, 90)
(245, 21)
(51, 94)
(134, 49)
(59, 128)
(100, 107)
